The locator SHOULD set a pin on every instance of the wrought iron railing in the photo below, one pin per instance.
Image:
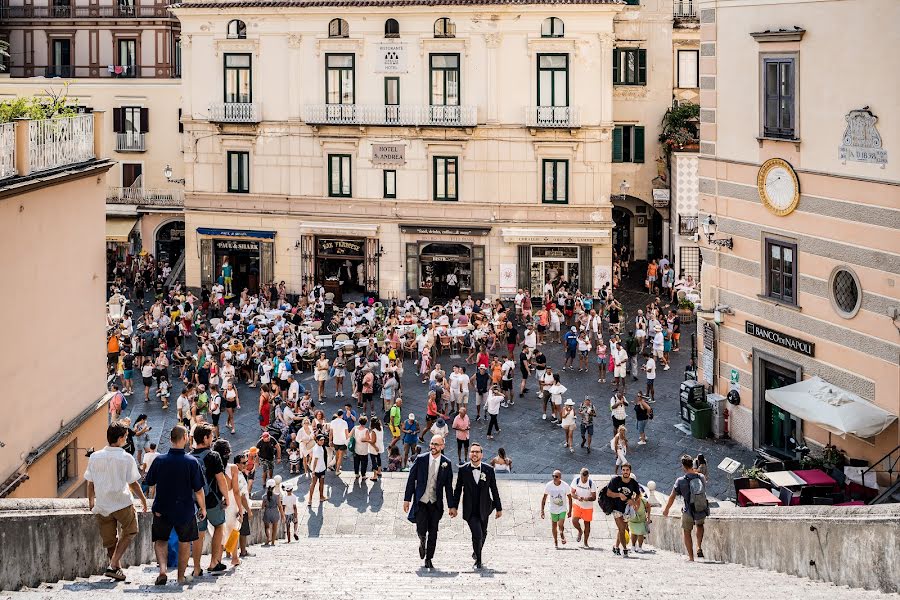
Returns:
(138, 196)
(684, 9)
(130, 142)
(399, 115)
(687, 225)
(7, 150)
(235, 112)
(119, 11)
(551, 116)
(57, 142)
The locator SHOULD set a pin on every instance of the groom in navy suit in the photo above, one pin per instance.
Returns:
(430, 479)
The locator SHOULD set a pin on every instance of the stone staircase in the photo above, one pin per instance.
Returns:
(359, 545)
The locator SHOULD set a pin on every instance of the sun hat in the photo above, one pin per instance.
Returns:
(270, 483)
(570, 402)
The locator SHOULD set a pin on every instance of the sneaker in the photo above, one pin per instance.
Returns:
(666, 368)
(616, 552)
(641, 442)
(599, 381)
(115, 574)
(699, 552)
(624, 552)
(219, 568)
(583, 442)
(572, 450)
(543, 417)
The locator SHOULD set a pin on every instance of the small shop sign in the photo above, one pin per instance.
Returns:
(237, 245)
(661, 198)
(781, 339)
(341, 247)
(448, 231)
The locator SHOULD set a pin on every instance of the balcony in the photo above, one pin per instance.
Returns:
(120, 71)
(552, 116)
(235, 112)
(31, 146)
(391, 115)
(137, 196)
(130, 142)
(122, 11)
(687, 225)
(685, 9)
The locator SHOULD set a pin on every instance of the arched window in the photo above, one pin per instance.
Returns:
(552, 27)
(391, 28)
(444, 28)
(338, 28)
(237, 30)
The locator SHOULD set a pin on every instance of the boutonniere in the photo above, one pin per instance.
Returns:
(443, 465)
(483, 477)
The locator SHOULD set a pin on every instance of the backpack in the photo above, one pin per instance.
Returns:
(207, 484)
(124, 404)
(698, 503)
(605, 502)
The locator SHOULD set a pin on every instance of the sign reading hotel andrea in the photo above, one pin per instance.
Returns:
(340, 247)
(389, 154)
(861, 141)
(391, 58)
(448, 231)
(781, 339)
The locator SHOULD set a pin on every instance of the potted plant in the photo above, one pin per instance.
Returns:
(685, 310)
(755, 475)
(680, 128)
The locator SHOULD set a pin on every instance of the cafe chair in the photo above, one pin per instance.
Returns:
(809, 493)
(786, 496)
(446, 344)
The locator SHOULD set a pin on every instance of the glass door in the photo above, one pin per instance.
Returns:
(392, 99)
(779, 426)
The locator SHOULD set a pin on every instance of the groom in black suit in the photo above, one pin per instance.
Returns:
(481, 498)
(430, 478)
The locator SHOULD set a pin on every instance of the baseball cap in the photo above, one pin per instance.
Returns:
(412, 415)
(573, 328)
(270, 483)
(265, 435)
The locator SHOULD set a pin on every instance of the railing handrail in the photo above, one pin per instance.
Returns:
(235, 112)
(551, 116)
(684, 222)
(7, 150)
(392, 114)
(61, 141)
(115, 11)
(684, 9)
(145, 196)
(129, 140)
(892, 464)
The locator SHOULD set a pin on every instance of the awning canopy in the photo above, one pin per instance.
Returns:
(834, 409)
(119, 228)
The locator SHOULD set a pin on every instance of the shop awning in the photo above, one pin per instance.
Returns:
(834, 409)
(119, 228)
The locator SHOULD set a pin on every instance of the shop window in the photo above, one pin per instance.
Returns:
(239, 172)
(390, 184)
(65, 465)
(781, 271)
(552, 27)
(779, 94)
(338, 28)
(446, 178)
(391, 28)
(629, 66)
(628, 144)
(339, 177)
(444, 28)
(555, 181)
(237, 30)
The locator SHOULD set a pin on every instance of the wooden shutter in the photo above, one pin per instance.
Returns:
(145, 120)
(478, 271)
(642, 67)
(787, 99)
(524, 273)
(617, 144)
(585, 271)
(616, 78)
(638, 155)
(206, 262)
(266, 263)
(180, 124)
(412, 269)
(118, 120)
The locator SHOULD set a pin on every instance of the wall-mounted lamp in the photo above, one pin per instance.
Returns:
(720, 312)
(168, 173)
(623, 189)
(709, 229)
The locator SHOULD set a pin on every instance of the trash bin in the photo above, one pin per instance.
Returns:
(701, 422)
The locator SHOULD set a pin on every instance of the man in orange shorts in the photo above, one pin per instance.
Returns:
(584, 494)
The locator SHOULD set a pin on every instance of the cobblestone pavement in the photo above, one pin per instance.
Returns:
(359, 545)
(536, 446)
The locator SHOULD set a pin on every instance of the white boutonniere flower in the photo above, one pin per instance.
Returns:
(483, 477)
(443, 465)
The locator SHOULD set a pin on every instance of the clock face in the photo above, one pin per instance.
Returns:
(778, 186)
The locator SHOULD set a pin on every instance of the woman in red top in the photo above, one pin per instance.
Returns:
(483, 358)
(265, 406)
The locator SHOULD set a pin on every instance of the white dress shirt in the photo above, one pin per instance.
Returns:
(111, 470)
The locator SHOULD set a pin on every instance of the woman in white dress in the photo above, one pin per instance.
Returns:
(322, 375)
(235, 506)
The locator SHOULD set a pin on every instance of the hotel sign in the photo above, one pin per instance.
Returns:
(781, 339)
(388, 154)
(391, 58)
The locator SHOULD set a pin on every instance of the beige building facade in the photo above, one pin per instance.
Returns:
(388, 150)
(800, 176)
(45, 436)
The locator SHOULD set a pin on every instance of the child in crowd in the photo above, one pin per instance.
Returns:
(163, 390)
(394, 460)
(294, 458)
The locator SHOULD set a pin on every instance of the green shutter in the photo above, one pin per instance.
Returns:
(642, 67)
(638, 145)
(615, 65)
(617, 145)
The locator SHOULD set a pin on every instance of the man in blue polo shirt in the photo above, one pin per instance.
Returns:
(570, 341)
(179, 483)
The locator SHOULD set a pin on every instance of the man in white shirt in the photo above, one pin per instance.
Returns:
(620, 358)
(339, 433)
(507, 369)
(520, 296)
(183, 404)
(650, 370)
(584, 493)
(530, 337)
(149, 457)
(494, 401)
(293, 389)
(110, 474)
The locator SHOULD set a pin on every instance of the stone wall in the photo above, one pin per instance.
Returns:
(858, 546)
(46, 540)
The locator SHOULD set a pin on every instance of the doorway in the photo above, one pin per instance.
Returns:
(775, 427)
(446, 269)
(131, 174)
(243, 257)
(170, 242)
(622, 229)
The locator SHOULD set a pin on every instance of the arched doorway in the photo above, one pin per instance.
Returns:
(622, 230)
(170, 242)
(447, 268)
(654, 234)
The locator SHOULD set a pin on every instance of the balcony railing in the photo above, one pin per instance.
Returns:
(391, 115)
(123, 70)
(137, 196)
(685, 9)
(85, 12)
(130, 142)
(235, 112)
(7, 150)
(551, 116)
(57, 142)
(687, 225)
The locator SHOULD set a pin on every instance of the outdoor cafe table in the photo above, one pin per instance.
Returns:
(758, 497)
(815, 477)
(785, 479)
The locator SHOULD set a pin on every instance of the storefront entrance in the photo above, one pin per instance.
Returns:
(445, 271)
(554, 265)
(243, 258)
(776, 427)
(250, 254)
(622, 229)
(341, 268)
(170, 242)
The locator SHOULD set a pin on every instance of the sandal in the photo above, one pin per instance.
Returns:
(562, 537)
(115, 574)
(161, 579)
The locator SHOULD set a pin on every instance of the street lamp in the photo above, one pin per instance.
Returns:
(623, 189)
(168, 173)
(709, 229)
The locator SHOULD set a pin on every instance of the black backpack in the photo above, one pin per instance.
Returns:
(605, 502)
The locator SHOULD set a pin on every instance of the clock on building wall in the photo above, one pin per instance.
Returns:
(779, 188)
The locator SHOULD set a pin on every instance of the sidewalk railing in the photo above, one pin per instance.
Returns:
(56, 142)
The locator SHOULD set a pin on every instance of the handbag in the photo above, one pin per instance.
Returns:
(351, 444)
(232, 542)
(331, 373)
